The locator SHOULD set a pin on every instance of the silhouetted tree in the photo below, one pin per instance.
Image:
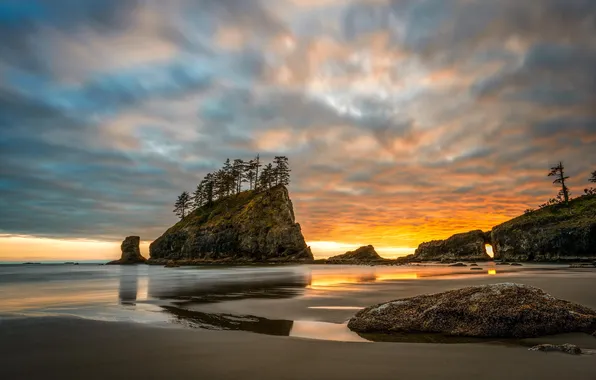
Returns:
(227, 178)
(209, 183)
(238, 169)
(267, 177)
(257, 166)
(559, 172)
(182, 205)
(198, 197)
(282, 170)
(220, 184)
(591, 190)
(249, 173)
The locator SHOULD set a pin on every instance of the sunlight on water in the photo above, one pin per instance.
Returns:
(324, 331)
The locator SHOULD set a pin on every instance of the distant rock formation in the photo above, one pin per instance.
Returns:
(362, 255)
(248, 227)
(500, 310)
(554, 233)
(131, 253)
(469, 246)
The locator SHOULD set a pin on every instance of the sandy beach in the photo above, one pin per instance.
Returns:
(68, 347)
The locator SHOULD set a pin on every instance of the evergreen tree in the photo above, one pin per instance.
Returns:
(591, 190)
(182, 205)
(220, 184)
(257, 165)
(198, 197)
(209, 184)
(227, 178)
(266, 178)
(249, 173)
(559, 172)
(282, 170)
(238, 169)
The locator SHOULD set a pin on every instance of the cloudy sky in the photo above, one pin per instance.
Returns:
(404, 120)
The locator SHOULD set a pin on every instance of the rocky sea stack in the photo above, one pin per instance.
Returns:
(247, 227)
(489, 311)
(469, 246)
(131, 253)
(362, 255)
(554, 233)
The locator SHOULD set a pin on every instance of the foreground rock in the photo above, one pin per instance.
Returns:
(131, 253)
(500, 310)
(565, 348)
(362, 255)
(554, 233)
(469, 246)
(247, 227)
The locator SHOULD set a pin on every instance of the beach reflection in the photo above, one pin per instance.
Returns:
(129, 285)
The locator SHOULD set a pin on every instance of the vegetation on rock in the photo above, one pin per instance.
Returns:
(251, 225)
(552, 233)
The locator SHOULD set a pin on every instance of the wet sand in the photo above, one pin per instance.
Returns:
(79, 349)
(70, 348)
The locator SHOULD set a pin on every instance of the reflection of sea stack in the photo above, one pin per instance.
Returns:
(131, 253)
(129, 284)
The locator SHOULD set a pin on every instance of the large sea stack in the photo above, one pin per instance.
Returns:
(131, 253)
(554, 233)
(469, 246)
(248, 227)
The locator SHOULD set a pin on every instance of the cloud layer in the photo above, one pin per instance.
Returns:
(404, 120)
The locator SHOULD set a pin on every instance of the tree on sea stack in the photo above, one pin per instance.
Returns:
(182, 205)
(198, 197)
(591, 190)
(559, 172)
(282, 170)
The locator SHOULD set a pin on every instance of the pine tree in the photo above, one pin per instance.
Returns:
(238, 169)
(198, 197)
(249, 173)
(282, 170)
(227, 178)
(257, 165)
(182, 205)
(591, 190)
(559, 172)
(220, 184)
(208, 188)
(266, 177)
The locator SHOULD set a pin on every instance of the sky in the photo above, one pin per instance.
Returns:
(403, 120)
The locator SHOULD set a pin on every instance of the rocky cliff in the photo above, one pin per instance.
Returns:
(553, 233)
(362, 255)
(247, 227)
(131, 253)
(469, 246)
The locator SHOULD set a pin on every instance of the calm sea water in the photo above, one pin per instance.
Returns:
(277, 300)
